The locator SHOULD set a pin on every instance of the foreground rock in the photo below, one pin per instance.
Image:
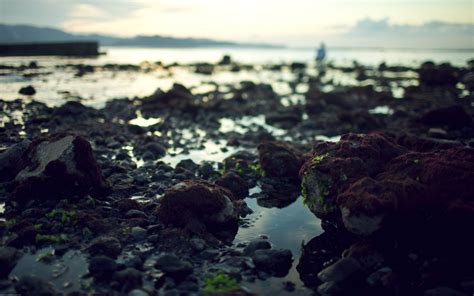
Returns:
(372, 182)
(279, 159)
(59, 166)
(200, 207)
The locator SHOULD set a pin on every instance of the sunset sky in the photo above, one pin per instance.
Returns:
(297, 22)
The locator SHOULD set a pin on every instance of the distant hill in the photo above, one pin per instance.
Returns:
(28, 34)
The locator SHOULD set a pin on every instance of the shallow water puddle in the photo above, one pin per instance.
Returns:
(65, 273)
(247, 123)
(384, 110)
(145, 122)
(213, 151)
(287, 228)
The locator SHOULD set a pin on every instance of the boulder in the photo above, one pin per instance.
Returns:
(443, 75)
(280, 159)
(199, 206)
(333, 167)
(178, 97)
(59, 166)
(370, 183)
(235, 184)
(451, 116)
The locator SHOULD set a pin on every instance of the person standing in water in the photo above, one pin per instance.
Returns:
(321, 54)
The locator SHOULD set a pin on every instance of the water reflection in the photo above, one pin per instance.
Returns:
(287, 228)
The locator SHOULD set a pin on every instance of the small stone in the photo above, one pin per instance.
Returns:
(129, 278)
(197, 244)
(138, 233)
(171, 265)
(276, 262)
(257, 244)
(106, 245)
(27, 90)
(102, 267)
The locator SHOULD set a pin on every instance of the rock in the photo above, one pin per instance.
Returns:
(178, 97)
(8, 258)
(279, 159)
(138, 233)
(226, 60)
(198, 206)
(9, 160)
(58, 167)
(197, 244)
(102, 267)
(334, 166)
(443, 291)
(171, 265)
(452, 116)
(156, 149)
(33, 285)
(27, 90)
(235, 184)
(204, 68)
(75, 110)
(105, 245)
(129, 278)
(340, 271)
(440, 181)
(258, 244)
(275, 262)
(443, 75)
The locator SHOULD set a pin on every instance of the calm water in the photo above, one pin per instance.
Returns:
(135, 55)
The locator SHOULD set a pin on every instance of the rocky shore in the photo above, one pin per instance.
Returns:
(146, 195)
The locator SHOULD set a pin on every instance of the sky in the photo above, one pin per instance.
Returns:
(289, 22)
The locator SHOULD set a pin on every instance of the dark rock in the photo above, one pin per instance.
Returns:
(279, 159)
(199, 206)
(102, 267)
(9, 160)
(275, 262)
(179, 97)
(258, 244)
(452, 116)
(129, 278)
(156, 149)
(443, 75)
(171, 265)
(226, 60)
(138, 233)
(8, 258)
(58, 167)
(106, 245)
(27, 90)
(235, 184)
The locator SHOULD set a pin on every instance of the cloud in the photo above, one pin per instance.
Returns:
(381, 33)
(85, 10)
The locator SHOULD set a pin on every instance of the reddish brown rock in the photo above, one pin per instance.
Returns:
(60, 166)
(335, 166)
(383, 183)
(235, 184)
(199, 206)
(280, 159)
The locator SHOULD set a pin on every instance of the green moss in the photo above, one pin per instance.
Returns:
(90, 201)
(11, 222)
(61, 215)
(52, 238)
(318, 158)
(38, 227)
(248, 169)
(219, 282)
